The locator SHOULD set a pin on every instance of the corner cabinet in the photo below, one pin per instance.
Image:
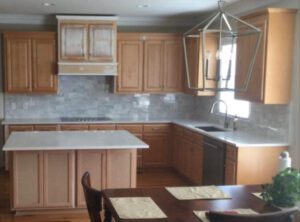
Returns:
(149, 62)
(30, 62)
(87, 44)
(272, 72)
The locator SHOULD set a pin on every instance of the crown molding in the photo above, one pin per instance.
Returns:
(123, 21)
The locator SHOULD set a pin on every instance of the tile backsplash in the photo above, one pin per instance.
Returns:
(90, 96)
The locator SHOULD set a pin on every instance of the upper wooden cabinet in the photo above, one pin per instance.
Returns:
(30, 62)
(271, 77)
(195, 63)
(87, 45)
(149, 63)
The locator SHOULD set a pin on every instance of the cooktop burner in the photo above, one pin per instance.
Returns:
(84, 119)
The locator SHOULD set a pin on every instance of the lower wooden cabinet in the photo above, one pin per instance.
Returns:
(43, 179)
(52, 179)
(94, 162)
(121, 169)
(58, 179)
(27, 188)
(157, 154)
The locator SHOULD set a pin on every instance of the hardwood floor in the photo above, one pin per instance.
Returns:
(145, 178)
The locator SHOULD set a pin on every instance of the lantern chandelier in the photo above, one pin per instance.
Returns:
(216, 40)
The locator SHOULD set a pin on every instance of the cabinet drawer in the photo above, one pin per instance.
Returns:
(156, 128)
(102, 127)
(20, 128)
(231, 152)
(45, 127)
(133, 128)
(192, 136)
(74, 127)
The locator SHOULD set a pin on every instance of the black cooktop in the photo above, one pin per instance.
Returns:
(84, 119)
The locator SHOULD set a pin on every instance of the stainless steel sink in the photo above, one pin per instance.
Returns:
(211, 128)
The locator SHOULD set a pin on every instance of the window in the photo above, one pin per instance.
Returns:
(236, 107)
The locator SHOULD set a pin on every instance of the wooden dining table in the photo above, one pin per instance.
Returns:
(182, 210)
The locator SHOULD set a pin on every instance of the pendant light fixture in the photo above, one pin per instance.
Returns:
(210, 48)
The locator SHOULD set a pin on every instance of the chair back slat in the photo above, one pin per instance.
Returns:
(93, 198)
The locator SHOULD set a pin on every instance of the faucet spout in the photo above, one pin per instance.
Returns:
(226, 122)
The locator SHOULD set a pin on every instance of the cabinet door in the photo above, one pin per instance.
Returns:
(59, 186)
(121, 169)
(197, 164)
(102, 127)
(157, 153)
(71, 127)
(230, 172)
(173, 70)
(27, 177)
(153, 66)
(92, 161)
(18, 65)
(46, 127)
(102, 38)
(130, 66)
(44, 65)
(245, 46)
(73, 42)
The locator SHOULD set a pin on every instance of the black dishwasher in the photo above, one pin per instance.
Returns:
(214, 161)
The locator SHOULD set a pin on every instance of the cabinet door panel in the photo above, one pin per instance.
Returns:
(173, 70)
(28, 179)
(121, 169)
(230, 172)
(73, 42)
(44, 65)
(153, 66)
(255, 91)
(157, 154)
(18, 65)
(59, 187)
(102, 39)
(92, 161)
(130, 66)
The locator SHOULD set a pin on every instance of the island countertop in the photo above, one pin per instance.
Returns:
(73, 140)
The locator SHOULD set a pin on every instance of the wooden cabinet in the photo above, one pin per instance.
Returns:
(59, 176)
(30, 62)
(87, 44)
(230, 165)
(272, 72)
(43, 179)
(149, 62)
(102, 127)
(94, 162)
(251, 165)
(121, 169)
(49, 127)
(72, 127)
(27, 189)
(153, 66)
(130, 65)
(190, 155)
(157, 136)
(195, 62)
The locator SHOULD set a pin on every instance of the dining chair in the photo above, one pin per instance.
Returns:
(278, 216)
(93, 198)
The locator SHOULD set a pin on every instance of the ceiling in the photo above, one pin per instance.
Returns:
(156, 8)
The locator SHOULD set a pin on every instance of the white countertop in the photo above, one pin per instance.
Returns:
(235, 138)
(73, 140)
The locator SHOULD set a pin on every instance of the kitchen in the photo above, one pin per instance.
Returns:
(161, 113)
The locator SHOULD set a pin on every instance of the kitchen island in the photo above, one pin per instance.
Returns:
(47, 166)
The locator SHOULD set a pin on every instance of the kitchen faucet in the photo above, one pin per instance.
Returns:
(226, 122)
